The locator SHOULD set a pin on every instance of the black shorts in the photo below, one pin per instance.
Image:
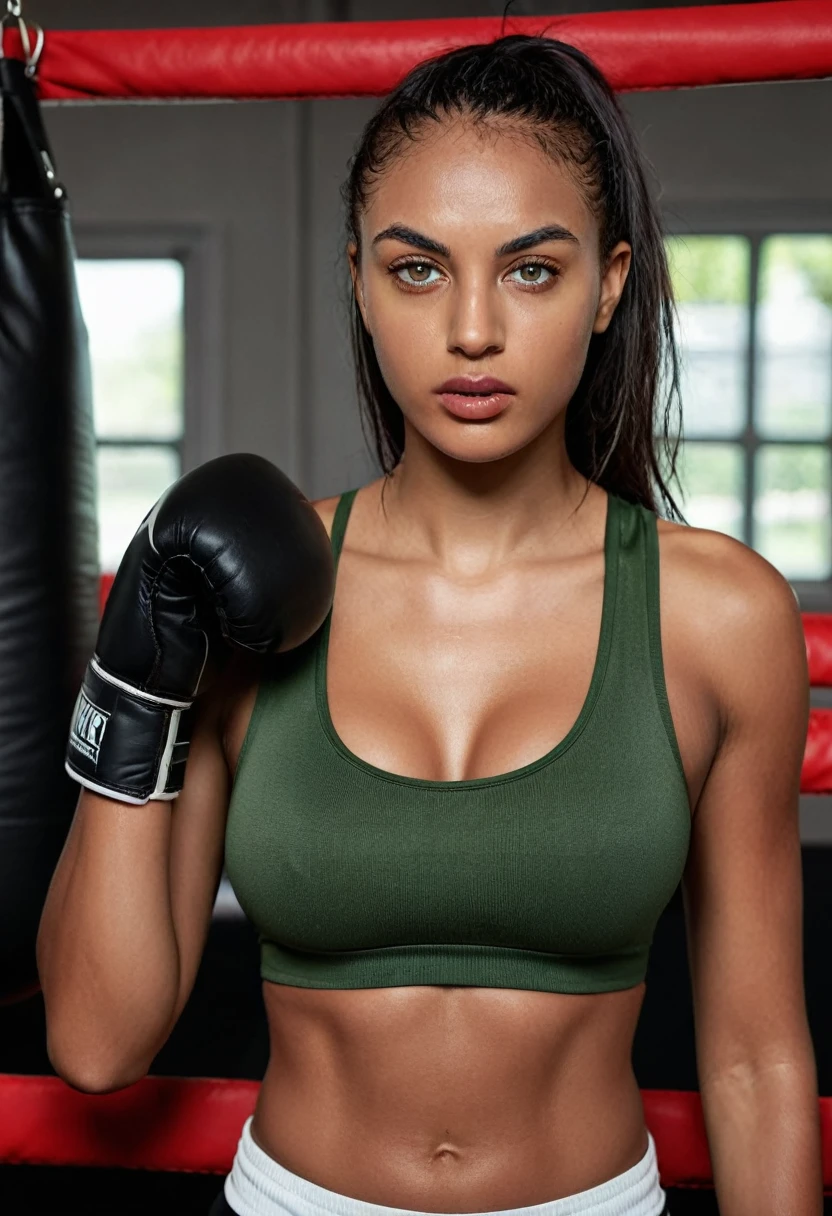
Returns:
(220, 1206)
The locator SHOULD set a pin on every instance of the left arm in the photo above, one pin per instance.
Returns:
(742, 893)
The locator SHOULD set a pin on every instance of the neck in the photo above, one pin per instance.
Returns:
(471, 517)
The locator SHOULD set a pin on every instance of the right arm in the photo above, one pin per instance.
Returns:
(127, 915)
(233, 547)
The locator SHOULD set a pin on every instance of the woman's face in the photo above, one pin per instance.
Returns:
(447, 289)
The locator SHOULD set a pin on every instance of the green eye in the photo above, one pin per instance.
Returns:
(537, 272)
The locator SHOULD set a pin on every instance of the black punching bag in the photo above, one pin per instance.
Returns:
(48, 537)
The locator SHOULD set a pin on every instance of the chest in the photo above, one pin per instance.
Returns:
(571, 856)
(492, 763)
(450, 682)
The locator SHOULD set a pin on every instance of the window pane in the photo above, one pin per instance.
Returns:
(713, 483)
(710, 283)
(134, 310)
(792, 507)
(794, 327)
(713, 393)
(130, 480)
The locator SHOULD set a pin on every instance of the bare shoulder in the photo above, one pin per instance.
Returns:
(372, 502)
(714, 571)
(325, 508)
(732, 608)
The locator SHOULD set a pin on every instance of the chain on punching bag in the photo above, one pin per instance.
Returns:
(48, 537)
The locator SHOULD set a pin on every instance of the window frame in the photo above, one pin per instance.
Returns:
(756, 219)
(198, 249)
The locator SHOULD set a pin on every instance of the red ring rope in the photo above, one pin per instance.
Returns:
(641, 49)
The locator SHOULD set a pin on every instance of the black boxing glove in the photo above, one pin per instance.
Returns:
(234, 551)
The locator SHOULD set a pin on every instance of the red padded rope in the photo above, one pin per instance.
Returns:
(161, 1123)
(816, 773)
(640, 49)
(817, 629)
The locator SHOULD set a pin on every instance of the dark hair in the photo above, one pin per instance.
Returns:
(617, 434)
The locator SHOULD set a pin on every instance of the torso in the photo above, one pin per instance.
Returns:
(463, 1099)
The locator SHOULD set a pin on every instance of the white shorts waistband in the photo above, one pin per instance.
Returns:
(260, 1186)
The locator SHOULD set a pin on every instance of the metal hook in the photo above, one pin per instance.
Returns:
(13, 13)
(33, 57)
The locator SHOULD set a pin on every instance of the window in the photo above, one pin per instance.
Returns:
(755, 316)
(134, 312)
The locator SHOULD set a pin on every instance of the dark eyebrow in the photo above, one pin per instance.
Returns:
(552, 232)
(400, 232)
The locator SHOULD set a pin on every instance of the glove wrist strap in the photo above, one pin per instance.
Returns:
(126, 743)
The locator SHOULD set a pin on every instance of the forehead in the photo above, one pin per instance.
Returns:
(477, 179)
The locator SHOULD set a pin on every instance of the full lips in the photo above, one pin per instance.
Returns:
(471, 408)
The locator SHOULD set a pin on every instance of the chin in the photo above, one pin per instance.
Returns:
(479, 442)
(481, 448)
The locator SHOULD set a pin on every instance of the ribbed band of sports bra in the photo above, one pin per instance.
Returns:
(550, 877)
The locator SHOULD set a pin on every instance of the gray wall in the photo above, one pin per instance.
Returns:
(256, 184)
(251, 190)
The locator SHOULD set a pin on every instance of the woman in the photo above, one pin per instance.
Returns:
(456, 813)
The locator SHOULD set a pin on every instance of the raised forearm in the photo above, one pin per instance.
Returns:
(763, 1129)
(107, 950)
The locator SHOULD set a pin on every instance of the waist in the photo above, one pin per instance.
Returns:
(468, 1091)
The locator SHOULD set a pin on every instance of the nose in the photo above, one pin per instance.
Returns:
(476, 325)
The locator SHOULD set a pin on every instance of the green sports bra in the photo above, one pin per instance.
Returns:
(549, 877)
